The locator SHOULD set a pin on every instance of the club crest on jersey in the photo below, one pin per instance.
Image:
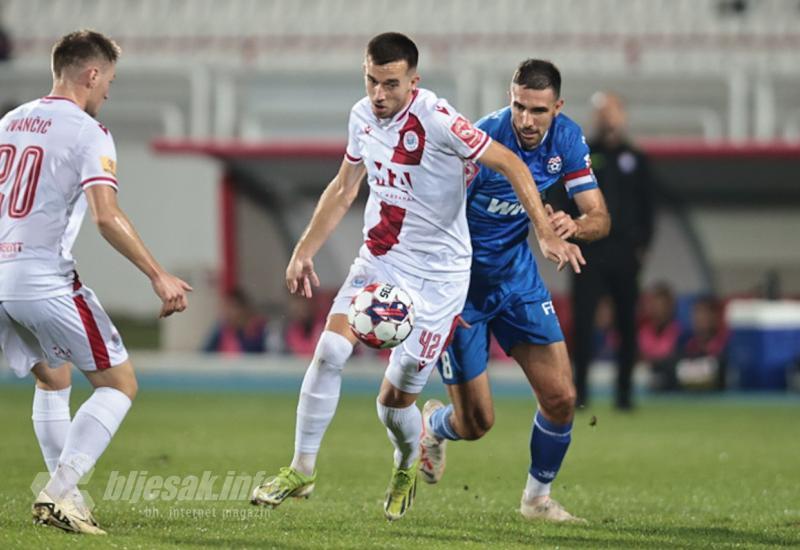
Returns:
(554, 165)
(411, 141)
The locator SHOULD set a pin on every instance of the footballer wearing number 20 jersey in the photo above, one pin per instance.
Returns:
(51, 151)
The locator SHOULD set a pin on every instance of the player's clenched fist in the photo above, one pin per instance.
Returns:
(300, 276)
(172, 292)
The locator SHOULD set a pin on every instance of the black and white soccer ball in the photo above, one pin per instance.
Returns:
(381, 315)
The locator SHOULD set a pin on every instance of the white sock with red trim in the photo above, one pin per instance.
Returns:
(91, 431)
(51, 422)
(404, 427)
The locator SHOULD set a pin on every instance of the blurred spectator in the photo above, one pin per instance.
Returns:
(613, 263)
(660, 332)
(606, 340)
(703, 357)
(708, 335)
(303, 327)
(240, 330)
(660, 337)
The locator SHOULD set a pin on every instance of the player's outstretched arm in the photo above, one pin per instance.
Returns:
(331, 208)
(117, 229)
(500, 159)
(594, 222)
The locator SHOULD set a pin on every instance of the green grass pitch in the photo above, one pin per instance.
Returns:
(677, 473)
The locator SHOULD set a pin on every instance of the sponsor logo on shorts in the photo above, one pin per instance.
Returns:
(62, 353)
(548, 308)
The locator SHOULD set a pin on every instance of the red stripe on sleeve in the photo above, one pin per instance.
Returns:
(578, 174)
(98, 346)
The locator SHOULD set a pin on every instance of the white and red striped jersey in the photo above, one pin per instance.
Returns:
(415, 217)
(50, 152)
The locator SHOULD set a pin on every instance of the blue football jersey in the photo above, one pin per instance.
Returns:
(497, 221)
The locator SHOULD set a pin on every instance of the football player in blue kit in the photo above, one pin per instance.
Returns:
(507, 296)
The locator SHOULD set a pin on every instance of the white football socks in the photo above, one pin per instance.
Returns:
(91, 431)
(51, 422)
(404, 427)
(319, 396)
(535, 489)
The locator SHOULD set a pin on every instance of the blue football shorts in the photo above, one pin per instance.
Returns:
(512, 315)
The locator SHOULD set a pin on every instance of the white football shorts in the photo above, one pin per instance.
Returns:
(437, 305)
(72, 328)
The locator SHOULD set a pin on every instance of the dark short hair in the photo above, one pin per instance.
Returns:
(81, 46)
(393, 46)
(538, 74)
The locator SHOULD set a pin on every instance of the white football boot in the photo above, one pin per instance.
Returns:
(64, 515)
(549, 510)
(432, 451)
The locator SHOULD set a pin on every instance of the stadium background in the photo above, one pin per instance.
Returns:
(230, 117)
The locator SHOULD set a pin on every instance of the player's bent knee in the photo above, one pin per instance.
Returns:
(559, 407)
(120, 377)
(332, 351)
(130, 388)
(128, 385)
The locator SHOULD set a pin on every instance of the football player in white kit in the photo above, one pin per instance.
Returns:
(55, 161)
(412, 146)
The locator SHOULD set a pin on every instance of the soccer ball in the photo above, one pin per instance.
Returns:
(381, 315)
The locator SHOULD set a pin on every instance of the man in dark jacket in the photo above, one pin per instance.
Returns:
(613, 263)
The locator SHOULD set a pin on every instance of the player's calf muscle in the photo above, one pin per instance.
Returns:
(474, 422)
(51, 379)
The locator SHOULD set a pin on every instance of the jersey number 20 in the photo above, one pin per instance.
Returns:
(27, 169)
